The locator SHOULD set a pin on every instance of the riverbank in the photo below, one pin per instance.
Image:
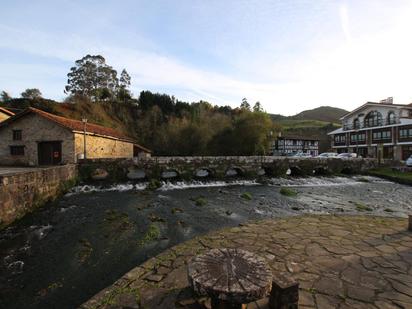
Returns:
(339, 261)
(396, 175)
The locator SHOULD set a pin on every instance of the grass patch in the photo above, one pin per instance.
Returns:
(391, 174)
(199, 201)
(288, 192)
(246, 196)
(362, 207)
(152, 233)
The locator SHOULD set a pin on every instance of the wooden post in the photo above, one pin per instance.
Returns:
(284, 294)
(410, 223)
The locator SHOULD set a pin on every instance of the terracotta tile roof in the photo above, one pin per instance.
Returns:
(6, 111)
(76, 125)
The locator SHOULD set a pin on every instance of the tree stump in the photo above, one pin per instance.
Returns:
(230, 277)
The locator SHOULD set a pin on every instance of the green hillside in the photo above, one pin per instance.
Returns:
(166, 127)
(323, 113)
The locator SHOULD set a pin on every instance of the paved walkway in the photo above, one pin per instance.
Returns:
(9, 170)
(340, 262)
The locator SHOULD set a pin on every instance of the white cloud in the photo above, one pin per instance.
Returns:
(367, 65)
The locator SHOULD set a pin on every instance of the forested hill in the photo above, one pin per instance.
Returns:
(323, 113)
(172, 127)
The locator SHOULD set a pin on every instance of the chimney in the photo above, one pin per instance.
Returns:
(388, 100)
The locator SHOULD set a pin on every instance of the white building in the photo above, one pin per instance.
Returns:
(378, 130)
(288, 144)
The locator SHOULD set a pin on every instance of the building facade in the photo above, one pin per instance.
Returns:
(35, 137)
(288, 145)
(376, 130)
(5, 113)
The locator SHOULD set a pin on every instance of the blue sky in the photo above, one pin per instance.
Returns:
(289, 55)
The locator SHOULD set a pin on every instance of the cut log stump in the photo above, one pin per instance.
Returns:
(230, 277)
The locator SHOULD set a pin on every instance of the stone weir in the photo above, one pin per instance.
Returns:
(188, 168)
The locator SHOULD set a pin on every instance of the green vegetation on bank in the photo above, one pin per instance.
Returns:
(392, 174)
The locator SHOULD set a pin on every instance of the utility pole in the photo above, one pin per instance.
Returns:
(84, 120)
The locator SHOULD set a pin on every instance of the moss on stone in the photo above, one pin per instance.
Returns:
(288, 192)
(152, 233)
(199, 201)
(246, 196)
(85, 251)
(153, 184)
(362, 207)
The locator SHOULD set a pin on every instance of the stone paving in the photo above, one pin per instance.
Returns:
(339, 261)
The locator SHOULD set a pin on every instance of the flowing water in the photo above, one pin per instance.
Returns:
(64, 253)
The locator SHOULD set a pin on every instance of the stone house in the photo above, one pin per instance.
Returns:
(34, 137)
(5, 113)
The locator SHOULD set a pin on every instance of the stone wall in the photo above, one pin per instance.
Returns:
(102, 147)
(20, 193)
(34, 129)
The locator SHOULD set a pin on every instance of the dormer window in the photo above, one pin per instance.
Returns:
(391, 118)
(373, 119)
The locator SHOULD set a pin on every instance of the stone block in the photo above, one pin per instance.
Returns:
(285, 293)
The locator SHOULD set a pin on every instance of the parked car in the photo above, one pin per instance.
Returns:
(302, 155)
(409, 161)
(327, 155)
(347, 155)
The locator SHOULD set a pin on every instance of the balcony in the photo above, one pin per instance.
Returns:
(375, 124)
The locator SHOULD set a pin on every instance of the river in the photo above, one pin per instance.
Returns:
(64, 253)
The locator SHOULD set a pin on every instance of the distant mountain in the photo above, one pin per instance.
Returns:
(323, 113)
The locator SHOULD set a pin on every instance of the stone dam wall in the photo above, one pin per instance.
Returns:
(22, 192)
(187, 168)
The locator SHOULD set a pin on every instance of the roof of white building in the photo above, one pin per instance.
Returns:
(403, 122)
(408, 106)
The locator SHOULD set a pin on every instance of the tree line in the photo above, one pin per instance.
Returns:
(160, 122)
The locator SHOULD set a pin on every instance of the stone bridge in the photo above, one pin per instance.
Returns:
(220, 167)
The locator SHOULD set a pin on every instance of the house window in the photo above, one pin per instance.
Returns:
(377, 135)
(17, 150)
(17, 135)
(391, 118)
(386, 134)
(403, 133)
(373, 119)
(356, 123)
